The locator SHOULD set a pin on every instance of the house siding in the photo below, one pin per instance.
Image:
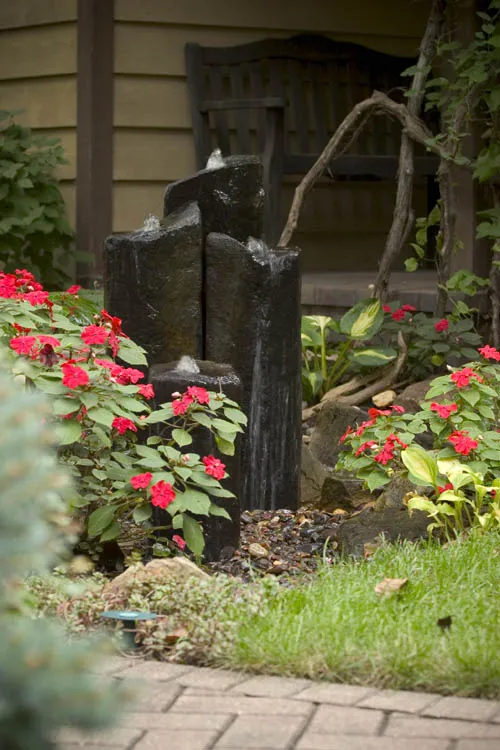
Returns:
(153, 142)
(38, 70)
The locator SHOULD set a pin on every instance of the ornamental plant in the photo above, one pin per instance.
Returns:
(461, 473)
(57, 344)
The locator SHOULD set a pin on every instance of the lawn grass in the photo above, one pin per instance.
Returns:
(336, 628)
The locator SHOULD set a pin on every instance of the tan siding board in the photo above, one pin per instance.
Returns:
(387, 18)
(132, 202)
(159, 50)
(152, 155)
(18, 13)
(34, 53)
(151, 103)
(47, 103)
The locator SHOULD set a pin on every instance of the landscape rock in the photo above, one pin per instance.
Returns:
(412, 396)
(393, 493)
(331, 423)
(313, 475)
(334, 494)
(157, 571)
(384, 398)
(368, 526)
(257, 550)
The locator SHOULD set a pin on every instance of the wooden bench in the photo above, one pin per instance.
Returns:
(284, 98)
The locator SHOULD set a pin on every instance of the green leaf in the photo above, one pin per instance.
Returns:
(68, 431)
(181, 437)
(376, 479)
(202, 418)
(375, 357)
(142, 513)
(363, 321)
(178, 521)
(112, 532)
(101, 416)
(225, 446)
(216, 510)
(235, 415)
(470, 396)
(131, 353)
(421, 466)
(89, 399)
(133, 404)
(63, 406)
(160, 415)
(193, 535)
(100, 520)
(194, 501)
(411, 264)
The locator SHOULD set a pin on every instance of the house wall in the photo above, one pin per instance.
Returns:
(38, 73)
(343, 224)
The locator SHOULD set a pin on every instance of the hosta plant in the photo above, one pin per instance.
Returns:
(53, 343)
(461, 473)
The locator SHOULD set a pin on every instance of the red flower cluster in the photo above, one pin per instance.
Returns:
(193, 394)
(386, 454)
(179, 541)
(11, 286)
(444, 410)
(74, 376)
(489, 352)
(448, 486)
(162, 494)
(462, 443)
(122, 424)
(214, 467)
(147, 391)
(400, 313)
(442, 325)
(141, 481)
(373, 414)
(73, 290)
(462, 377)
(120, 375)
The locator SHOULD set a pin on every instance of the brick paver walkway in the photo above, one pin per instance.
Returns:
(191, 708)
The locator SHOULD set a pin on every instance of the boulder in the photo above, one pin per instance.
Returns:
(157, 571)
(312, 477)
(368, 526)
(411, 397)
(334, 494)
(393, 493)
(331, 423)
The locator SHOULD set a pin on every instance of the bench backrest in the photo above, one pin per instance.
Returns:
(318, 79)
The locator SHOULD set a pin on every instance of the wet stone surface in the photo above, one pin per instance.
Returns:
(281, 543)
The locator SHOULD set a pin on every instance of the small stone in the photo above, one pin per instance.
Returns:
(246, 517)
(274, 521)
(384, 398)
(257, 550)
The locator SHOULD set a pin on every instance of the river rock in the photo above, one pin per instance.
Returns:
(369, 525)
(257, 550)
(157, 571)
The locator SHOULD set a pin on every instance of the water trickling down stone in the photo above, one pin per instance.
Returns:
(215, 160)
(151, 224)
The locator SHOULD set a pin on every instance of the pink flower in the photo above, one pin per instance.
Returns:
(398, 409)
(146, 390)
(122, 424)
(442, 325)
(214, 467)
(462, 443)
(364, 446)
(386, 308)
(409, 308)
(200, 395)
(462, 377)
(73, 289)
(95, 335)
(74, 376)
(43, 339)
(141, 481)
(489, 352)
(398, 315)
(444, 410)
(179, 541)
(23, 344)
(162, 494)
(448, 486)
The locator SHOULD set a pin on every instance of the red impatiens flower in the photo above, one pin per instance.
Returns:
(123, 375)
(95, 335)
(8, 287)
(23, 344)
(162, 494)
(214, 467)
(374, 413)
(444, 410)
(106, 363)
(409, 308)
(399, 314)
(122, 424)
(114, 323)
(398, 409)
(146, 390)
(73, 289)
(141, 481)
(489, 352)
(36, 298)
(448, 486)
(20, 328)
(43, 339)
(363, 426)
(180, 405)
(348, 432)
(364, 446)
(462, 443)
(74, 376)
(386, 308)
(385, 455)
(179, 541)
(462, 377)
(200, 395)
(442, 325)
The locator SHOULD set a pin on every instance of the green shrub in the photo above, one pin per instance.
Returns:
(34, 232)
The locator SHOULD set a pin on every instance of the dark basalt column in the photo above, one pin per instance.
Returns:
(153, 282)
(222, 537)
(231, 198)
(253, 322)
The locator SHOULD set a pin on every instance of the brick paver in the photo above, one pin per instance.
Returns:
(189, 708)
